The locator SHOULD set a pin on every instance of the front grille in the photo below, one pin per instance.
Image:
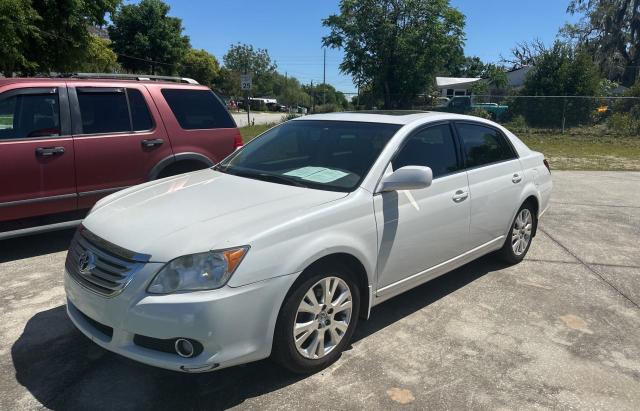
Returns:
(101, 266)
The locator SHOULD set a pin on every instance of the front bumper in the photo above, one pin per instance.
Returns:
(234, 325)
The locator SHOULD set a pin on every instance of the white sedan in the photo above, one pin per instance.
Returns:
(282, 247)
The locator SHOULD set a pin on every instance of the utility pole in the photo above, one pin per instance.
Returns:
(247, 101)
(324, 77)
(313, 98)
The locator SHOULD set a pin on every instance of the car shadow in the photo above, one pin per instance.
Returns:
(63, 369)
(35, 245)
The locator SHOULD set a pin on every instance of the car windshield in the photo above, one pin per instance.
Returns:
(326, 155)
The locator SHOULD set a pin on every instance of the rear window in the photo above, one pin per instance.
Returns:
(198, 109)
(105, 110)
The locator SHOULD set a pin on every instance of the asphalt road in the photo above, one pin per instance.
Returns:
(559, 331)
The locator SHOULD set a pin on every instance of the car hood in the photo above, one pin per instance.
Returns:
(198, 211)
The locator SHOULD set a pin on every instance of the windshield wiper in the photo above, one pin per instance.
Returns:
(274, 178)
(278, 178)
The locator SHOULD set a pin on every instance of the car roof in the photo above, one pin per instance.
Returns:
(13, 80)
(401, 117)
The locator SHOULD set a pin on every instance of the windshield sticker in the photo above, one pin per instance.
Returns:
(325, 176)
(303, 172)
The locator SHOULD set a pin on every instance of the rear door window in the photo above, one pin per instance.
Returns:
(103, 110)
(30, 116)
(113, 110)
(198, 109)
(140, 116)
(483, 145)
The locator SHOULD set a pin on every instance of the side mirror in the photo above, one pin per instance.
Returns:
(407, 178)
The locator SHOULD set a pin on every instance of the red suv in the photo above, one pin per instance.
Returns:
(67, 142)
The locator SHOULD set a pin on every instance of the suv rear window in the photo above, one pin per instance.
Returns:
(105, 110)
(198, 109)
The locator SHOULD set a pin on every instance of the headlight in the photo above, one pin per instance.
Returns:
(203, 271)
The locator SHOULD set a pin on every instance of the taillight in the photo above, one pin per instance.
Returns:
(546, 164)
(237, 140)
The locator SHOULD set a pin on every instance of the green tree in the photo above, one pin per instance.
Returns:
(560, 71)
(49, 35)
(147, 39)
(289, 91)
(610, 30)
(326, 94)
(395, 46)
(244, 58)
(64, 28)
(17, 29)
(201, 66)
(99, 57)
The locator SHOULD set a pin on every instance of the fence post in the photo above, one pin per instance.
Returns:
(564, 112)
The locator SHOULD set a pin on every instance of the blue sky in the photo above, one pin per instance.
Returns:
(292, 30)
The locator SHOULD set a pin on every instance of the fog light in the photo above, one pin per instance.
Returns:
(184, 348)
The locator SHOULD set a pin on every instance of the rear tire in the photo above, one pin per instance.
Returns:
(317, 320)
(520, 235)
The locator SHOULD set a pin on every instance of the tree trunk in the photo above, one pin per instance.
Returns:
(387, 96)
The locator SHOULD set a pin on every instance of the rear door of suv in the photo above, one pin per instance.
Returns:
(36, 151)
(197, 121)
(118, 137)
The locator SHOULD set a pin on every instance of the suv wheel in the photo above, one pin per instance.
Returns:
(519, 238)
(317, 321)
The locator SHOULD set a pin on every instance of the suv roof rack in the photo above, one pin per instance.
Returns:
(139, 77)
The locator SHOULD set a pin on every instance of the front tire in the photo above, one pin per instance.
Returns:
(520, 235)
(317, 320)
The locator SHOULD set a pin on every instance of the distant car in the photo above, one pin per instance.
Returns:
(67, 142)
(464, 104)
(284, 245)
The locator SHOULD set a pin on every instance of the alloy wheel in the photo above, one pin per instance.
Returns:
(322, 318)
(521, 233)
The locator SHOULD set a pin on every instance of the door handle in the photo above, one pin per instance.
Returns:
(460, 196)
(152, 142)
(49, 151)
(516, 178)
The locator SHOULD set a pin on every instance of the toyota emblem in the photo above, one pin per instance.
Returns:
(86, 263)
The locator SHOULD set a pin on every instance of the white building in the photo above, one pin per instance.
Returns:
(455, 86)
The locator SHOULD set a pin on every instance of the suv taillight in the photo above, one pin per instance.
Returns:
(237, 141)
(546, 164)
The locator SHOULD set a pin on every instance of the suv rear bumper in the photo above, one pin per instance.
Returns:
(234, 325)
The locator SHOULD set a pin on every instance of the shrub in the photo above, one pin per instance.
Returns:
(517, 123)
(289, 116)
(624, 124)
(327, 108)
(480, 112)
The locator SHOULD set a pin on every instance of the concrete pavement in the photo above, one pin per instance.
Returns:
(560, 330)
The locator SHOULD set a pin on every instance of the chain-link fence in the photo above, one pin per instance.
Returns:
(616, 116)
(574, 132)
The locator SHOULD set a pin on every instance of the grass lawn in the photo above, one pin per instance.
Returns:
(575, 150)
(249, 132)
(6, 120)
(586, 151)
